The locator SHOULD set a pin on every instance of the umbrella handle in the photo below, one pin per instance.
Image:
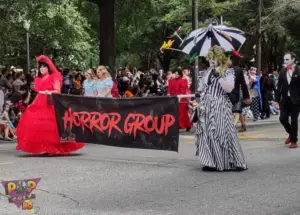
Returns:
(179, 38)
(172, 50)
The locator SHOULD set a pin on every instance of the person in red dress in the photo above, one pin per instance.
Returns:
(37, 130)
(115, 90)
(186, 75)
(178, 86)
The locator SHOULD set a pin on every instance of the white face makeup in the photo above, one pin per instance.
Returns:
(288, 61)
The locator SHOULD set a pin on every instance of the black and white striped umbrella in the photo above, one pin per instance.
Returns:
(201, 40)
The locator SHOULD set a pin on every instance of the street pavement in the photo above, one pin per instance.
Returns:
(109, 180)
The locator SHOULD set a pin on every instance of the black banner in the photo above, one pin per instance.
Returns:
(148, 123)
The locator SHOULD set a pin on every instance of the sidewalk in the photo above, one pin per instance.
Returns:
(249, 122)
(273, 120)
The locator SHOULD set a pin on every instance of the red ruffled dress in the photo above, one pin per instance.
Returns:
(37, 130)
(189, 90)
(178, 86)
(115, 90)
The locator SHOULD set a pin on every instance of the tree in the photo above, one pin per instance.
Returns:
(143, 29)
(107, 31)
(279, 31)
(73, 33)
(57, 29)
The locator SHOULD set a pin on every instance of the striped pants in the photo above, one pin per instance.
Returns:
(255, 107)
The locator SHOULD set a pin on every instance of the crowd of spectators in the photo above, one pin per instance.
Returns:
(17, 88)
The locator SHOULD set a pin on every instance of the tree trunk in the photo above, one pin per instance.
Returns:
(107, 45)
(275, 52)
(259, 34)
(281, 49)
(167, 61)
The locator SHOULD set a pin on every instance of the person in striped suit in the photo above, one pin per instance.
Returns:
(218, 148)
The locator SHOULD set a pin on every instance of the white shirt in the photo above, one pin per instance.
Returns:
(289, 74)
(246, 77)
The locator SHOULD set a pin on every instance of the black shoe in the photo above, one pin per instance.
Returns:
(238, 169)
(188, 129)
(208, 169)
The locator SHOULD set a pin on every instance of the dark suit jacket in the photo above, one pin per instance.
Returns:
(267, 87)
(284, 87)
(239, 83)
(271, 87)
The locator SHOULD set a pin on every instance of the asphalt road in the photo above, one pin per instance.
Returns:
(107, 180)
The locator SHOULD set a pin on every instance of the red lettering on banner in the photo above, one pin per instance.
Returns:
(134, 122)
(139, 122)
(92, 120)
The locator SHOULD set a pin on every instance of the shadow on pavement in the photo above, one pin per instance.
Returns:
(47, 156)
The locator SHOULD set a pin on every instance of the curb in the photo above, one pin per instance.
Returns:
(260, 124)
(249, 125)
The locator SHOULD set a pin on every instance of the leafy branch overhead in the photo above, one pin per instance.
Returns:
(57, 28)
(68, 29)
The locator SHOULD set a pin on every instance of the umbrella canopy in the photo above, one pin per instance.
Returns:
(201, 40)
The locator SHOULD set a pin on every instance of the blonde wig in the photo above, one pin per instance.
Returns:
(90, 72)
(103, 71)
(217, 54)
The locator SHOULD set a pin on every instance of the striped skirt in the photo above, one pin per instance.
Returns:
(216, 137)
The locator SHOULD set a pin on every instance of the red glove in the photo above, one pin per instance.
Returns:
(236, 53)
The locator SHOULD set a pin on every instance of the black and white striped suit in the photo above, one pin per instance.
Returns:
(216, 137)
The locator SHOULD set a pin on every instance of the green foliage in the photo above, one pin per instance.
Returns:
(145, 27)
(57, 29)
(280, 21)
(68, 30)
(125, 58)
